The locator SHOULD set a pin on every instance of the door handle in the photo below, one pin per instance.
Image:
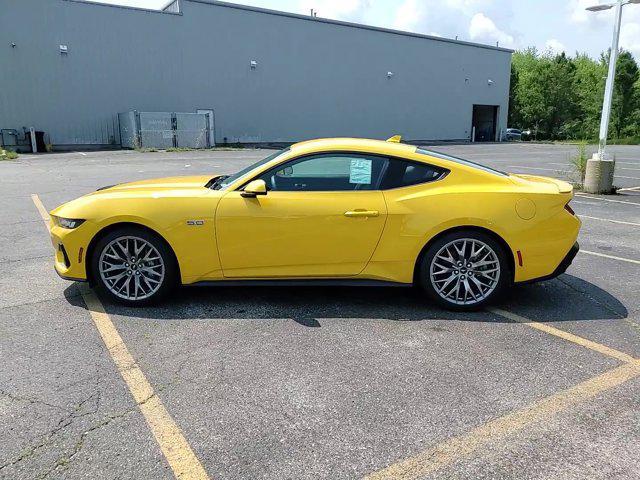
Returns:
(361, 213)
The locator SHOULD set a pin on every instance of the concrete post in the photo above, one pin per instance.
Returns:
(599, 175)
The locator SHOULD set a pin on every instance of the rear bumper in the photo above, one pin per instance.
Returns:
(564, 265)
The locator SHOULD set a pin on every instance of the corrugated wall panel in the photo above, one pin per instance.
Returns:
(312, 78)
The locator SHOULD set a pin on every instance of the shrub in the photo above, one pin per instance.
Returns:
(7, 155)
(579, 161)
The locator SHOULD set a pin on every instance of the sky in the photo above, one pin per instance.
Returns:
(556, 25)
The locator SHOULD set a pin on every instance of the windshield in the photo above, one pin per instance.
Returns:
(227, 180)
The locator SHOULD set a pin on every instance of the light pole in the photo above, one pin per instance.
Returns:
(599, 174)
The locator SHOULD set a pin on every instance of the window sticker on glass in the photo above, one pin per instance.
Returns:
(360, 171)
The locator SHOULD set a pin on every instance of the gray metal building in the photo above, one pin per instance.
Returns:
(68, 68)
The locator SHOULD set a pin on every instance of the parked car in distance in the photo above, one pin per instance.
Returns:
(512, 135)
(340, 211)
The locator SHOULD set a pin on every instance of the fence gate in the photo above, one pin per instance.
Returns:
(156, 129)
(165, 130)
(192, 130)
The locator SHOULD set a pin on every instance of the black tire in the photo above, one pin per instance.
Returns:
(427, 282)
(157, 291)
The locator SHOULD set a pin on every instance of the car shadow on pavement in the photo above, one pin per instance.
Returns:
(566, 298)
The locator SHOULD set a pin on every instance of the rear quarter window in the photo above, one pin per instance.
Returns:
(461, 161)
(404, 173)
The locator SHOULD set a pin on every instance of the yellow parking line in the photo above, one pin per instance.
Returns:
(603, 349)
(451, 450)
(43, 211)
(174, 446)
(446, 453)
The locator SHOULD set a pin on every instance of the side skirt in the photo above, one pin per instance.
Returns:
(299, 283)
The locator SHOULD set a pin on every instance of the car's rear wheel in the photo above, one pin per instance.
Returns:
(464, 270)
(133, 266)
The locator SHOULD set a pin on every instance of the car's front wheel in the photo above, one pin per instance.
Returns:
(464, 270)
(133, 266)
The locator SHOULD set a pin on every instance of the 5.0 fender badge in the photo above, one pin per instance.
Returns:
(195, 223)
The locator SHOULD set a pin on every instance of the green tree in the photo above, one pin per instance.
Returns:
(625, 98)
(560, 97)
(589, 85)
(545, 96)
(528, 94)
(514, 108)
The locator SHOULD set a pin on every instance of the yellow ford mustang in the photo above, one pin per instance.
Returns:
(345, 211)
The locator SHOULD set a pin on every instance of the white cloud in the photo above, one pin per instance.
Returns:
(337, 9)
(483, 29)
(630, 38)
(555, 46)
(446, 17)
(470, 7)
(578, 11)
(409, 15)
(602, 22)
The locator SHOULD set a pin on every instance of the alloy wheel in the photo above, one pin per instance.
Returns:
(465, 271)
(131, 268)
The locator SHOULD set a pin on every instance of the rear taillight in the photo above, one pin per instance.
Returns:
(568, 208)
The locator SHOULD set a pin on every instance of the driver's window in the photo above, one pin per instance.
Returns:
(328, 172)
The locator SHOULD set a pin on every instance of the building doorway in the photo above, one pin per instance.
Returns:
(484, 123)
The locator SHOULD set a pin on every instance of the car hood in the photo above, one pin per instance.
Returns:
(195, 181)
(170, 187)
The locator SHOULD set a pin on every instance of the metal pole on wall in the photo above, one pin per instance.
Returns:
(34, 144)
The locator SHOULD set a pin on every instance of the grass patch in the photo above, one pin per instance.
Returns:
(187, 149)
(626, 141)
(8, 155)
(579, 161)
(179, 149)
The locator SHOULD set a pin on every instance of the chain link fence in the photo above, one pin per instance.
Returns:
(165, 130)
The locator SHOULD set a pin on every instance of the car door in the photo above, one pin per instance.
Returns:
(322, 216)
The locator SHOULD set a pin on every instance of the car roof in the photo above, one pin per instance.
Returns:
(355, 144)
(391, 148)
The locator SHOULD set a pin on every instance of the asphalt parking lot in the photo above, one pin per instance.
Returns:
(306, 383)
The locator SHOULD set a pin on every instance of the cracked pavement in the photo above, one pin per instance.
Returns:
(308, 382)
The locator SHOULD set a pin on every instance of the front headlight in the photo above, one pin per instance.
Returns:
(69, 223)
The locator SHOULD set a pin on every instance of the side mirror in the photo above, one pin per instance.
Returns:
(255, 188)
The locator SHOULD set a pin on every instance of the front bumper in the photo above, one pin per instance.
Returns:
(564, 265)
(70, 248)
